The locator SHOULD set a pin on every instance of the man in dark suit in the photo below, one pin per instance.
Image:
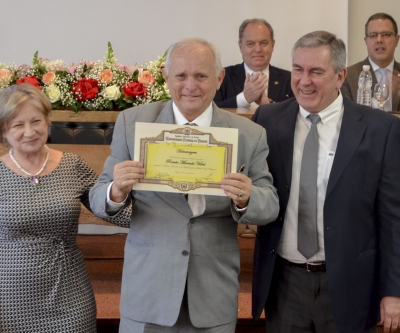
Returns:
(255, 81)
(381, 38)
(330, 262)
(182, 256)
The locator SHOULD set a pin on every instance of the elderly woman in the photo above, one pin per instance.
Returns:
(44, 284)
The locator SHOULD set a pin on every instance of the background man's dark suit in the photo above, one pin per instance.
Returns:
(278, 85)
(361, 211)
(350, 85)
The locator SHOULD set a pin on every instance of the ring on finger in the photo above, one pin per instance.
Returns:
(241, 194)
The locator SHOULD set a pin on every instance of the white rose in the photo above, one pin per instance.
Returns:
(112, 93)
(53, 93)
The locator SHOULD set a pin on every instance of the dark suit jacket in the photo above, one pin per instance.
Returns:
(361, 211)
(350, 85)
(278, 85)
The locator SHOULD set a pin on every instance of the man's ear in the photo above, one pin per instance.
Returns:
(342, 76)
(220, 78)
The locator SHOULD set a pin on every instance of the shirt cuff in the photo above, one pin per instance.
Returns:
(113, 207)
(241, 101)
(240, 210)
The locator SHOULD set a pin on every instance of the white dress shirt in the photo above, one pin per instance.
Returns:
(197, 202)
(389, 76)
(328, 134)
(240, 99)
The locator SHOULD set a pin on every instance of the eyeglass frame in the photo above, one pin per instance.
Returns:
(384, 35)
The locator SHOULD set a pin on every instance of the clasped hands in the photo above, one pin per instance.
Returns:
(255, 87)
(237, 186)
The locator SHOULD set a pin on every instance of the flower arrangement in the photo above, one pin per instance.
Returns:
(100, 85)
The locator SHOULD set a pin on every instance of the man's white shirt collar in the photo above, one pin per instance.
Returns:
(250, 71)
(329, 112)
(203, 120)
(375, 67)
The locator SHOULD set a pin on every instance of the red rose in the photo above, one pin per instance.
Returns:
(31, 80)
(134, 89)
(85, 89)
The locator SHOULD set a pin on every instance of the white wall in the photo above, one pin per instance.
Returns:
(141, 30)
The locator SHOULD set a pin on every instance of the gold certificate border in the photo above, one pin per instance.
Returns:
(184, 186)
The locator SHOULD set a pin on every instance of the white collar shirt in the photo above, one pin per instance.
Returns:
(197, 202)
(203, 120)
(240, 99)
(328, 135)
(378, 75)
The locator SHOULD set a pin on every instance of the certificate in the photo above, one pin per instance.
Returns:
(185, 159)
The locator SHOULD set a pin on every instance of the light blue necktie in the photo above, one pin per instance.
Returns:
(384, 71)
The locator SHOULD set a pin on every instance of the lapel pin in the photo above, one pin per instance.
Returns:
(276, 82)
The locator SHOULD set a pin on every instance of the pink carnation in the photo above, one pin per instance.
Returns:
(146, 78)
(127, 69)
(106, 76)
(49, 78)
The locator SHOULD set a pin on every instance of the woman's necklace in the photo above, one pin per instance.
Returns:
(34, 179)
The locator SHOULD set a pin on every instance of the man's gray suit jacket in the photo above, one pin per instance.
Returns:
(167, 247)
(350, 85)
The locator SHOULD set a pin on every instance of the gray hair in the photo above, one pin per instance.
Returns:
(190, 43)
(255, 21)
(322, 38)
(15, 96)
(381, 16)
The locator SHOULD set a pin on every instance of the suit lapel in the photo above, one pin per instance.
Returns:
(351, 133)
(218, 119)
(239, 77)
(274, 83)
(166, 115)
(285, 128)
(396, 87)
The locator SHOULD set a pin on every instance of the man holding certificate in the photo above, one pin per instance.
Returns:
(181, 256)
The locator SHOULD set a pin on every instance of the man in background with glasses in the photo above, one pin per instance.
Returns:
(381, 38)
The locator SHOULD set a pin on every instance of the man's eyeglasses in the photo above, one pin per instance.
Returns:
(384, 35)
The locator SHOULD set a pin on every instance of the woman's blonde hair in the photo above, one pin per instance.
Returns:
(13, 97)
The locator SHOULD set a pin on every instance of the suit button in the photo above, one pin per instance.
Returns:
(192, 221)
(185, 253)
(272, 251)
